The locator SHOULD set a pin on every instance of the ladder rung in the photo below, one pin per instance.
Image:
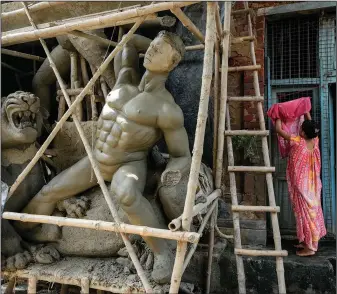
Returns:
(252, 252)
(257, 169)
(241, 11)
(246, 133)
(244, 67)
(246, 99)
(243, 208)
(242, 39)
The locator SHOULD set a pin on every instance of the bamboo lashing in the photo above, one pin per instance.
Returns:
(90, 23)
(198, 145)
(265, 152)
(175, 224)
(184, 19)
(21, 55)
(104, 226)
(72, 107)
(33, 8)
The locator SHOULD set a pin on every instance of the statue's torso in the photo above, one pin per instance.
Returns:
(127, 126)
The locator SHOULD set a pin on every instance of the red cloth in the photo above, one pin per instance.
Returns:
(291, 114)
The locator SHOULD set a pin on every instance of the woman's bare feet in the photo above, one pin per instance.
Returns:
(299, 246)
(305, 252)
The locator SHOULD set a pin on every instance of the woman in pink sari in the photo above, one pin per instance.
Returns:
(304, 184)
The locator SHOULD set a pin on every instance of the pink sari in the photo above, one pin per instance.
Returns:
(304, 184)
(291, 114)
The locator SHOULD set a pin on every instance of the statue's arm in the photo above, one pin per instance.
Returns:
(171, 122)
(129, 56)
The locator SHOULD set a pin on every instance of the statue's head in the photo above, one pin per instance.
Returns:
(164, 53)
(21, 119)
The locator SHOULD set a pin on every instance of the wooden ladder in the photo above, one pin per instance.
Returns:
(267, 169)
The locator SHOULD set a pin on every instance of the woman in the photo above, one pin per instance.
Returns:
(304, 184)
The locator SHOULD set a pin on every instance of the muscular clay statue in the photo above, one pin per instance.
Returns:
(135, 116)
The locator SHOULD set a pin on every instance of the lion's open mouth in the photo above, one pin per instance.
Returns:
(24, 119)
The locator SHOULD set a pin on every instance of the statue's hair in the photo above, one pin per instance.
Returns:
(174, 40)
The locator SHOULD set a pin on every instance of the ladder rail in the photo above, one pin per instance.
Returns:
(265, 152)
(236, 215)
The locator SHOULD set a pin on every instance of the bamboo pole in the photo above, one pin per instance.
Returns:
(75, 282)
(103, 226)
(75, 92)
(22, 55)
(74, 81)
(223, 95)
(218, 22)
(90, 23)
(236, 215)
(246, 133)
(269, 177)
(95, 38)
(85, 78)
(97, 172)
(210, 250)
(252, 252)
(33, 8)
(11, 68)
(85, 283)
(32, 283)
(175, 224)
(256, 169)
(198, 145)
(201, 229)
(244, 208)
(244, 68)
(188, 23)
(94, 112)
(10, 286)
(104, 87)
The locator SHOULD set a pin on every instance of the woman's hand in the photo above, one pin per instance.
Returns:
(280, 132)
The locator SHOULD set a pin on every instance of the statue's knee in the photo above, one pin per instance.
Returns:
(127, 196)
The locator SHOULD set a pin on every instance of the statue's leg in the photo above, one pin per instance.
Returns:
(128, 184)
(69, 183)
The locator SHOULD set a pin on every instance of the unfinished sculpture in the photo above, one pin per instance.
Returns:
(136, 114)
(21, 121)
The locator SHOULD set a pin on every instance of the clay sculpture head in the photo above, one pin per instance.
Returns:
(164, 53)
(21, 119)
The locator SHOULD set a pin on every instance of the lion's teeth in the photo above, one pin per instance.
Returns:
(33, 115)
(20, 114)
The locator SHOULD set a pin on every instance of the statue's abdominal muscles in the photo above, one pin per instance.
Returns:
(120, 140)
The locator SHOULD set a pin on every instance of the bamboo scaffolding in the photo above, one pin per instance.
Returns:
(218, 23)
(103, 226)
(265, 152)
(198, 145)
(10, 286)
(32, 8)
(244, 208)
(32, 283)
(184, 19)
(210, 250)
(74, 92)
(90, 23)
(201, 229)
(22, 55)
(72, 107)
(175, 224)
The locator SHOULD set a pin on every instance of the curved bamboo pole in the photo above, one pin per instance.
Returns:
(90, 23)
(72, 107)
(22, 55)
(198, 145)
